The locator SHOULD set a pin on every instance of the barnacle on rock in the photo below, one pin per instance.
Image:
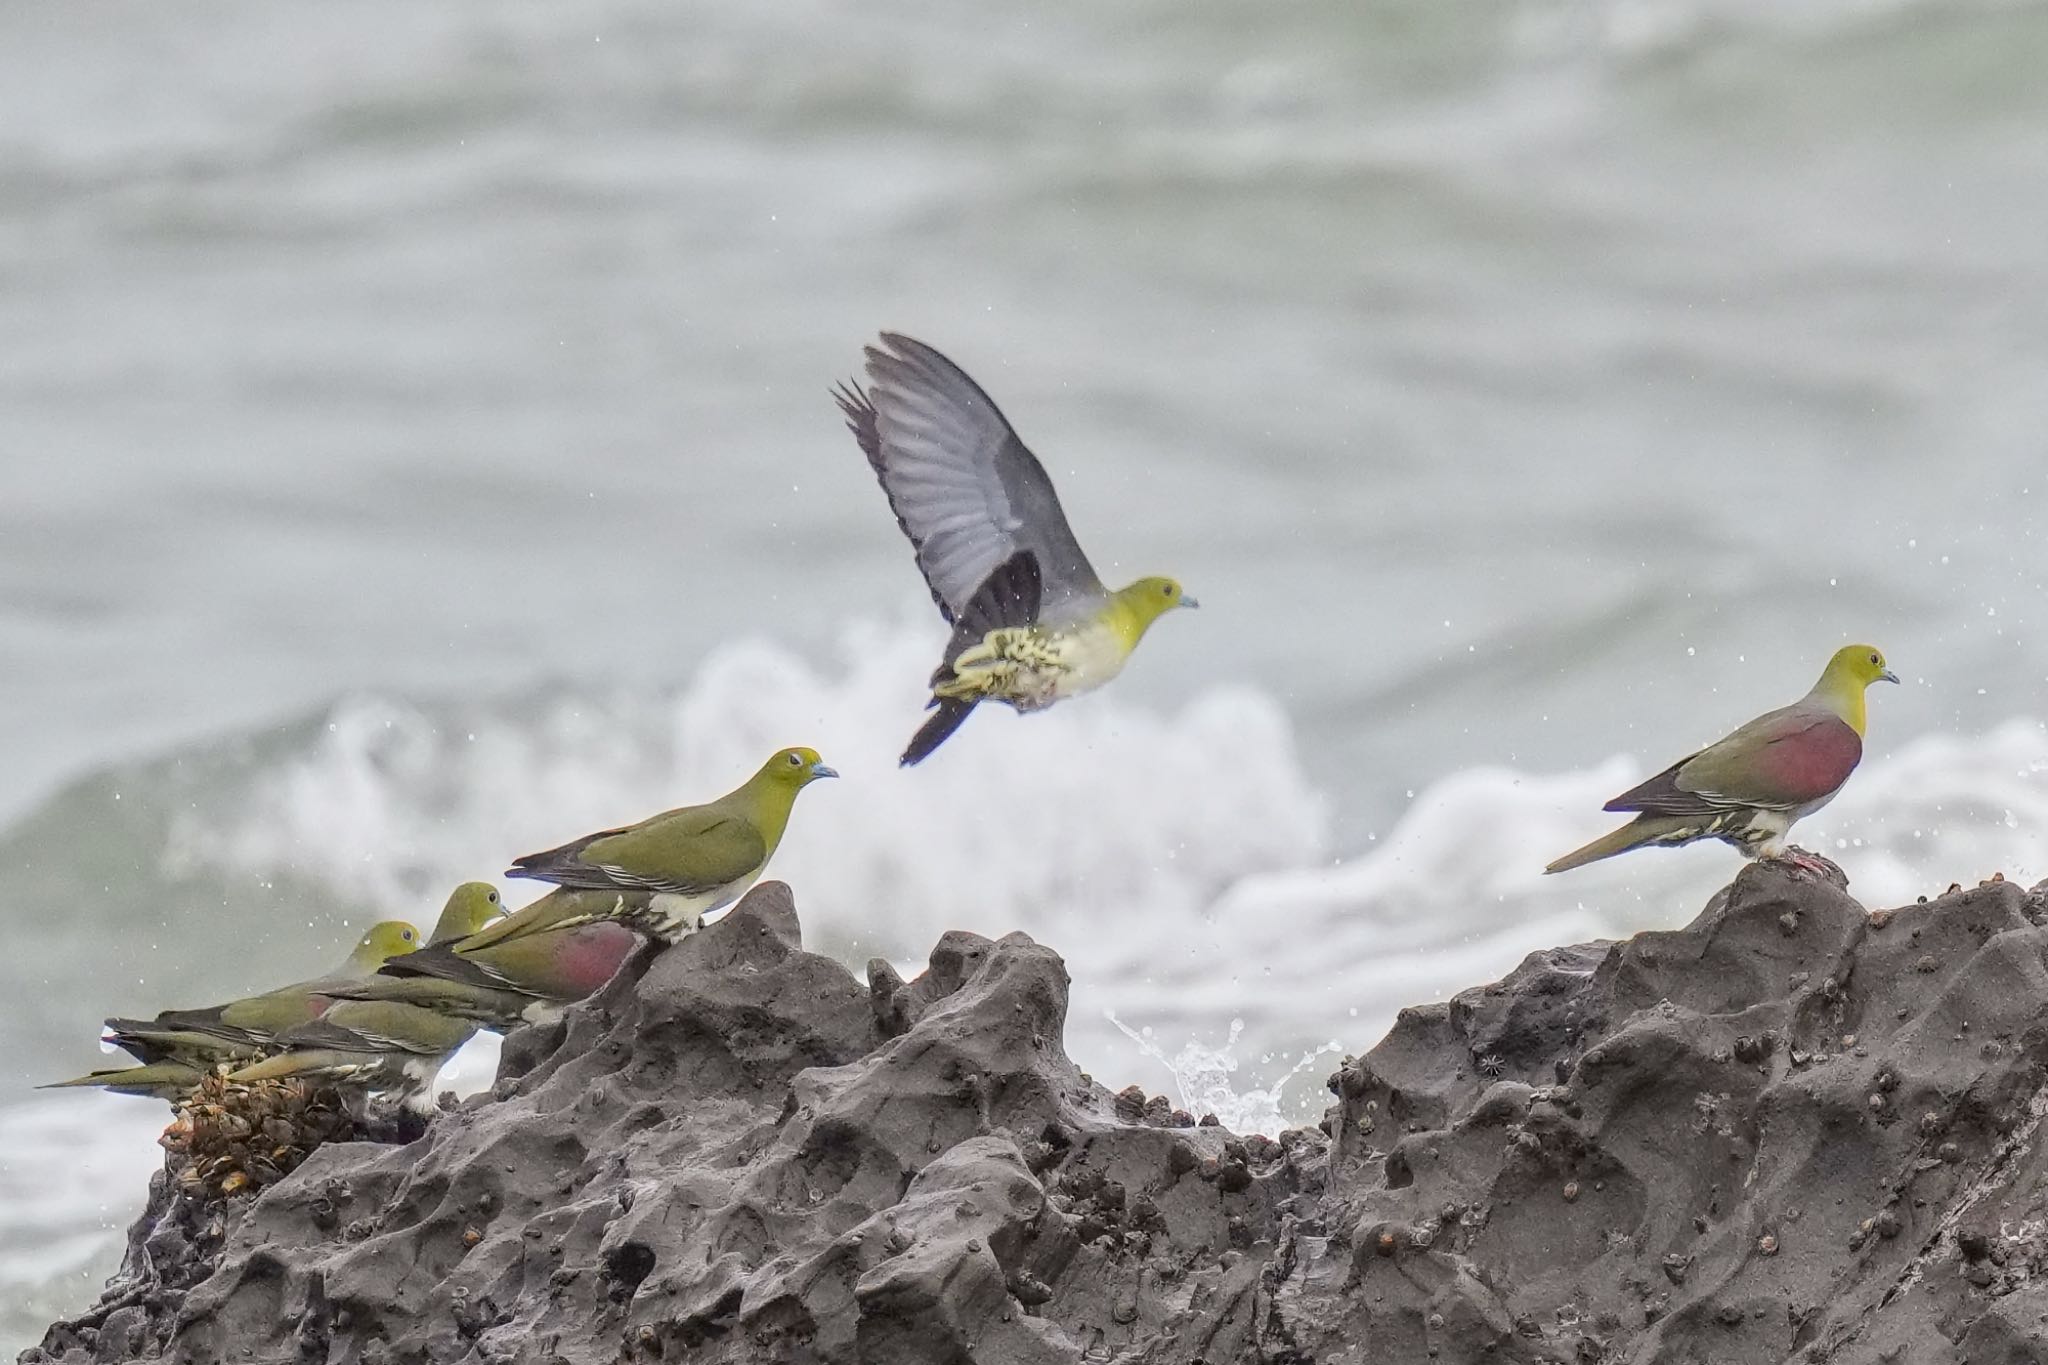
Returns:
(237, 1138)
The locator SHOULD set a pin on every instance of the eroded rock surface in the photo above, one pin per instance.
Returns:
(1792, 1131)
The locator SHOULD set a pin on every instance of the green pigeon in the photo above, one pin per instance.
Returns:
(526, 977)
(240, 1027)
(1032, 624)
(178, 1046)
(1749, 788)
(693, 860)
(380, 1045)
(470, 907)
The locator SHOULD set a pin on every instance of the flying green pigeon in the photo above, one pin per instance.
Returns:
(524, 978)
(694, 860)
(1032, 624)
(1749, 788)
(380, 1045)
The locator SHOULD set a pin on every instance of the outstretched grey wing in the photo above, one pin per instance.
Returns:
(965, 490)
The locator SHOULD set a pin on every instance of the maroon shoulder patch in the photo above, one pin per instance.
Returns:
(1810, 762)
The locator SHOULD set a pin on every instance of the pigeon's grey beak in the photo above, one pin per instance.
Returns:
(1188, 601)
(1888, 676)
(820, 770)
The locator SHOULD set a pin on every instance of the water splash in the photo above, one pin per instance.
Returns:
(1203, 1076)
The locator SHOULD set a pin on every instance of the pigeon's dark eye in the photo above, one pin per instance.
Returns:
(1876, 660)
(1167, 590)
(795, 760)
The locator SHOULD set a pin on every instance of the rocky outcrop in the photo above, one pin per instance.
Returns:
(1793, 1131)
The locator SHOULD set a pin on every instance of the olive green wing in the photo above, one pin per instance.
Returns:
(561, 908)
(380, 1026)
(687, 852)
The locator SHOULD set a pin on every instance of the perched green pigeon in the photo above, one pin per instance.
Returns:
(470, 907)
(1032, 624)
(694, 860)
(523, 978)
(1749, 788)
(240, 1027)
(380, 1045)
(178, 1046)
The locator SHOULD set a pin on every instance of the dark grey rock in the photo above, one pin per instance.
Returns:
(1776, 1135)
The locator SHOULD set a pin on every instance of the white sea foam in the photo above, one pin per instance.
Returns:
(1206, 1082)
(73, 1171)
(471, 1069)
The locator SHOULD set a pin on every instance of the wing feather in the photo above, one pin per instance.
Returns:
(693, 851)
(440, 963)
(683, 852)
(967, 492)
(380, 1026)
(1782, 760)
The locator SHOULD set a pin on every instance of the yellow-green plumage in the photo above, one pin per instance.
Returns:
(1032, 624)
(1033, 666)
(469, 908)
(170, 1081)
(187, 1043)
(482, 1005)
(562, 908)
(242, 1026)
(379, 1045)
(687, 862)
(565, 955)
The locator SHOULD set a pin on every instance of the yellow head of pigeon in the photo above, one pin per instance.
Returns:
(385, 940)
(1134, 608)
(789, 770)
(470, 907)
(1852, 669)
